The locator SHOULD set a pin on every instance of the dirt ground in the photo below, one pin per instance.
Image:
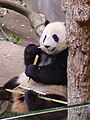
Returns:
(11, 56)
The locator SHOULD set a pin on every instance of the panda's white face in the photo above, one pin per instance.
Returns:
(53, 40)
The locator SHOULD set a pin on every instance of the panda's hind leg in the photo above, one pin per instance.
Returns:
(11, 84)
(34, 102)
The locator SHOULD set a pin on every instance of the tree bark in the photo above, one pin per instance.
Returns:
(78, 39)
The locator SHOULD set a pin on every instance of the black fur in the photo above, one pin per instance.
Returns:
(55, 37)
(46, 22)
(4, 95)
(53, 73)
(11, 84)
(29, 54)
(34, 102)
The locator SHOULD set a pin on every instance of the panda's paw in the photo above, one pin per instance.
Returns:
(31, 49)
(29, 54)
(31, 98)
(30, 93)
(31, 70)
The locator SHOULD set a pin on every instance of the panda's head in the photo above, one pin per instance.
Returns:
(53, 37)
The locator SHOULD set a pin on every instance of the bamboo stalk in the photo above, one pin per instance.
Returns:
(42, 97)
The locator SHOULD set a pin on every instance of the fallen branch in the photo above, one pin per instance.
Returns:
(36, 20)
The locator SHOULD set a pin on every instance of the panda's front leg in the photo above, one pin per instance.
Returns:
(34, 102)
(30, 53)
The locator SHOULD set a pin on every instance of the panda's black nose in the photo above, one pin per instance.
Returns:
(46, 46)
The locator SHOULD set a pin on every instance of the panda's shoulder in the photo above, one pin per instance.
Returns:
(63, 53)
(61, 57)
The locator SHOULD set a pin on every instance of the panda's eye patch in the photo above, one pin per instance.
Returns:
(55, 37)
(44, 38)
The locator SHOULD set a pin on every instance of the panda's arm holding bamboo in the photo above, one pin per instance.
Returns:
(54, 73)
(30, 53)
(46, 75)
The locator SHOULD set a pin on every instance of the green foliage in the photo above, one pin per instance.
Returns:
(15, 39)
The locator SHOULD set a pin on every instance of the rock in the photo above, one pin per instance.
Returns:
(11, 60)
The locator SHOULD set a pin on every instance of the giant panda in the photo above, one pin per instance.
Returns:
(48, 77)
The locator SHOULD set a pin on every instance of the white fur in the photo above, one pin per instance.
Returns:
(57, 28)
(41, 88)
(23, 80)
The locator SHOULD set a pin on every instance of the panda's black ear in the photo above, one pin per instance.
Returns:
(46, 22)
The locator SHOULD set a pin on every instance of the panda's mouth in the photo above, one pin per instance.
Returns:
(53, 49)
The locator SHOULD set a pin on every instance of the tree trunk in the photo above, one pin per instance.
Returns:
(78, 39)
